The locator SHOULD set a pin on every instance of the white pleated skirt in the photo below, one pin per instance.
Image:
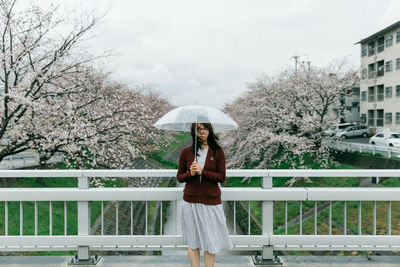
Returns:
(204, 227)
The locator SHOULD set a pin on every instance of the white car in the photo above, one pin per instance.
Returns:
(386, 139)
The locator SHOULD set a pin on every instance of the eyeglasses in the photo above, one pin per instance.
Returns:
(201, 129)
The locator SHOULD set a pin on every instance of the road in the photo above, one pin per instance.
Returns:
(358, 140)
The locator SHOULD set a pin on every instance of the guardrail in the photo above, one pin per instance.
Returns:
(24, 160)
(346, 202)
(19, 161)
(374, 149)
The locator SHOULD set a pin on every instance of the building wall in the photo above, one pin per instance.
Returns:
(352, 109)
(389, 79)
(351, 105)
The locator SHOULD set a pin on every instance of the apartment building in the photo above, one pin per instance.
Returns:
(351, 104)
(380, 79)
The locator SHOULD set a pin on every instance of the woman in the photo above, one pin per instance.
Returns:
(203, 219)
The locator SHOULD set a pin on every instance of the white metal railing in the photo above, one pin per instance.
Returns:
(266, 195)
(22, 160)
(26, 159)
(374, 149)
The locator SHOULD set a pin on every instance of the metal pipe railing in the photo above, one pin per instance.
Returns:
(267, 241)
(343, 146)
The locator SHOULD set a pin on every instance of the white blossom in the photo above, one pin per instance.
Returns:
(281, 119)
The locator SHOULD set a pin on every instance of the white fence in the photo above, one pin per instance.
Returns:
(266, 196)
(24, 160)
(374, 149)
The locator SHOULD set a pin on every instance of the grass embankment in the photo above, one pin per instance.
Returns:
(58, 207)
(158, 156)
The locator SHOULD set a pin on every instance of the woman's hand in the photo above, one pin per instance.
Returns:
(195, 169)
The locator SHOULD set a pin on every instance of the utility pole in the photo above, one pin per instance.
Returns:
(308, 64)
(375, 90)
(295, 56)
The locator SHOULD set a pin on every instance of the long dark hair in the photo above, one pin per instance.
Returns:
(212, 139)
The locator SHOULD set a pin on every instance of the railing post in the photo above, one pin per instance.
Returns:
(267, 257)
(173, 223)
(83, 255)
(173, 206)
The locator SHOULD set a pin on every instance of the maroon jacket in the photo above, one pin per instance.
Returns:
(207, 191)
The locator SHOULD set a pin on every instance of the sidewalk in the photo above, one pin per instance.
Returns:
(221, 261)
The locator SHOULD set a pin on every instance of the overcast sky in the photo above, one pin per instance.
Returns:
(208, 50)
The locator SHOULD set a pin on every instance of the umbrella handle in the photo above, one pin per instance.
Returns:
(195, 136)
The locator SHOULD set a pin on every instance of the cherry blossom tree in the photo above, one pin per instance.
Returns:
(281, 119)
(35, 58)
(54, 101)
(105, 124)
(102, 125)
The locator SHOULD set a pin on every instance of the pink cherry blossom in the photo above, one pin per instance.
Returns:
(281, 119)
(54, 100)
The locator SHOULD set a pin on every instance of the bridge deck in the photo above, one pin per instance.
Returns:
(222, 261)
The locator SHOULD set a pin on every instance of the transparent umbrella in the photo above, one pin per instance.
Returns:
(181, 119)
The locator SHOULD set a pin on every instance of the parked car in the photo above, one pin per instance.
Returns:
(337, 128)
(353, 131)
(390, 139)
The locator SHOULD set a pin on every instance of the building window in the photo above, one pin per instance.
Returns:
(388, 92)
(379, 119)
(388, 118)
(371, 94)
(398, 63)
(380, 93)
(397, 117)
(397, 90)
(356, 92)
(371, 48)
(364, 96)
(371, 71)
(364, 73)
(371, 118)
(363, 118)
(389, 40)
(380, 68)
(381, 44)
(397, 36)
(388, 66)
(363, 50)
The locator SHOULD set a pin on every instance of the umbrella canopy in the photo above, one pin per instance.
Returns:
(181, 119)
